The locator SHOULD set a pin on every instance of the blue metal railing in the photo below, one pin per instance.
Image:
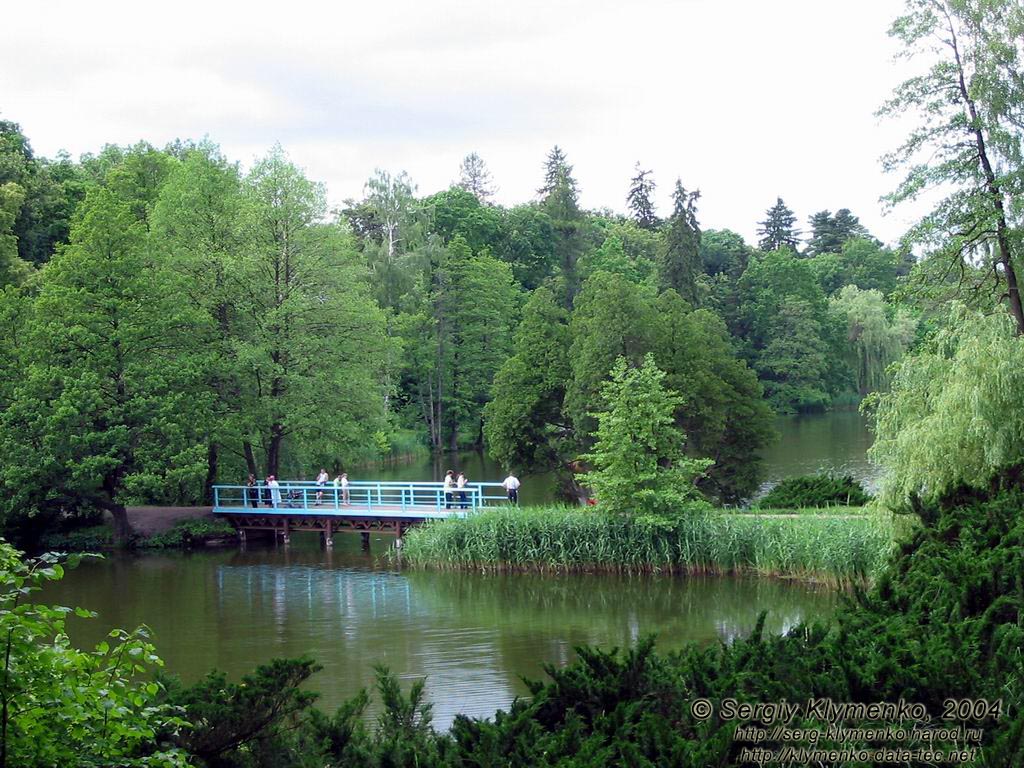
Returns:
(361, 497)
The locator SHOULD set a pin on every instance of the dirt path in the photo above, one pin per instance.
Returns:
(149, 520)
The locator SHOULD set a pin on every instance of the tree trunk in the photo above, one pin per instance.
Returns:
(274, 449)
(212, 459)
(250, 458)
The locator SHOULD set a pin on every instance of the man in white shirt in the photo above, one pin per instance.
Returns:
(321, 481)
(449, 485)
(275, 491)
(511, 484)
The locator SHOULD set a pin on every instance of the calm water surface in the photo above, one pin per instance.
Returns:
(471, 635)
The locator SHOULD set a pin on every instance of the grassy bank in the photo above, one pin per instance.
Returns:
(833, 548)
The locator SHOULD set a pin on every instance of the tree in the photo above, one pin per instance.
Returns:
(394, 231)
(724, 414)
(524, 423)
(639, 467)
(954, 413)
(680, 262)
(611, 257)
(829, 233)
(560, 201)
(722, 251)
(13, 269)
(969, 104)
(63, 706)
(200, 228)
(874, 341)
(792, 340)
(315, 348)
(777, 229)
(639, 201)
(107, 410)
(475, 178)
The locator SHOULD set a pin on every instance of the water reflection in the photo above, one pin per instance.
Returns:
(472, 635)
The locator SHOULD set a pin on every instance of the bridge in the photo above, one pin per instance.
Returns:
(365, 507)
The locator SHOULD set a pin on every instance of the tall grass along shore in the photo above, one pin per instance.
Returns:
(830, 548)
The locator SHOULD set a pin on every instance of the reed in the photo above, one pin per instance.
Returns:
(836, 549)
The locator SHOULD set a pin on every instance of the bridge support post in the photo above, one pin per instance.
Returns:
(241, 536)
(328, 535)
(284, 533)
(365, 536)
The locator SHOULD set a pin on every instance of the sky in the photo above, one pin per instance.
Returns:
(745, 100)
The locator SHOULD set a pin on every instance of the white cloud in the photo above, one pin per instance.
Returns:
(744, 100)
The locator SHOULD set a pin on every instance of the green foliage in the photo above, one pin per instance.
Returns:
(522, 423)
(89, 539)
(822, 490)
(679, 261)
(191, 532)
(954, 414)
(877, 335)
(639, 468)
(63, 706)
(794, 342)
(105, 409)
(833, 548)
(777, 230)
(722, 251)
(963, 152)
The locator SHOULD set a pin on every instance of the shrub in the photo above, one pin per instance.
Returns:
(91, 539)
(192, 532)
(823, 490)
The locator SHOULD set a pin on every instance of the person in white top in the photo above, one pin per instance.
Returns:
(449, 484)
(460, 483)
(511, 484)
(275, 491)
(344, 488)
(321, 481)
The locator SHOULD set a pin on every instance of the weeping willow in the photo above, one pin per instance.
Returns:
(955, 412)
(874, 340)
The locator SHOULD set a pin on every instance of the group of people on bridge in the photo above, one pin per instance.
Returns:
(269, 491)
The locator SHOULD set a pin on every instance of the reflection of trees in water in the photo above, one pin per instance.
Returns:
(472, 635)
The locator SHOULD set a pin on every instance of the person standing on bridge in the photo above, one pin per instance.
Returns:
(275, 491)
(344, 488)
(252, 491)
(461, 484)
(511, 485)
(449, 485)
(321, 481)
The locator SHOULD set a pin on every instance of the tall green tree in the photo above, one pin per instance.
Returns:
(315, 348)
(108, 411)
(829, 233)
(200, 227)
(777, 230)
(968, 105)
(874, 339)
(638, 200)
(679, 263)
(559, 198)
(524, 423)
(639, 467)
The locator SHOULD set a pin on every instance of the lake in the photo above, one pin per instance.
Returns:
(471, 635)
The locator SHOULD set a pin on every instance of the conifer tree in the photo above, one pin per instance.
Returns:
(639, 200)
(777, 229)
(679, 262)
(475, 178)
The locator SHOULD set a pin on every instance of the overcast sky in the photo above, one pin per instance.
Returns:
(746, 100)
